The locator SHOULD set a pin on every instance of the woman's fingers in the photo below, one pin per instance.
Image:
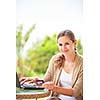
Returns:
(28, 79)
(24, 79)
(48, 85)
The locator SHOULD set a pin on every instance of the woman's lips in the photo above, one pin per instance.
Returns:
(65, 50)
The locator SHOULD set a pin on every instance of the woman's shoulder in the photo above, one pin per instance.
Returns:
(79, 60)
(79, 56)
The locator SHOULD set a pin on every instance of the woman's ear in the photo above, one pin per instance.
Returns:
(75, 42)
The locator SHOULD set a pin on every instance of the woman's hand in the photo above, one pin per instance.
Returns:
(49, 85)
(28, 80)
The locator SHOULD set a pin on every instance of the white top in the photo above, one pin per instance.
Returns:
(65, 81)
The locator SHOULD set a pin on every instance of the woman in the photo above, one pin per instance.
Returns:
(64, 76)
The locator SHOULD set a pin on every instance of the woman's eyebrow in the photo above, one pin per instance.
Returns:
(66, 42)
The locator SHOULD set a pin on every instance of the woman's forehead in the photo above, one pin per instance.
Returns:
(64, 38)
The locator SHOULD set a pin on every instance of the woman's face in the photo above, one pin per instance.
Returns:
(65, 45)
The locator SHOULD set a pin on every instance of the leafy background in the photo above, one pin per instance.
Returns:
(38, 56)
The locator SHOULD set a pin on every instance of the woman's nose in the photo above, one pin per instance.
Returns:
(64, 47)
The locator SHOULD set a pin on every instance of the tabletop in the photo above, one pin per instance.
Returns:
(31, 93)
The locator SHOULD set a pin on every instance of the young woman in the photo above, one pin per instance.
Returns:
(64, 76)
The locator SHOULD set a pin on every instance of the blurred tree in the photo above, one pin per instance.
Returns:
(20, 43)
(79, 47)
(39, 55)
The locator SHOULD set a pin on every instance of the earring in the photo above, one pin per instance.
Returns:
(75, 49)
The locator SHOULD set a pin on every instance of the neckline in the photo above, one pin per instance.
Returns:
(73, 59)
(70, 74)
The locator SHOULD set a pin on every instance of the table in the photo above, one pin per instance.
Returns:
(30, 94)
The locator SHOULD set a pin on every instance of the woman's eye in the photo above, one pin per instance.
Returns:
(60, 44)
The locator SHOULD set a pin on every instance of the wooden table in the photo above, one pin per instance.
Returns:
(30, 94)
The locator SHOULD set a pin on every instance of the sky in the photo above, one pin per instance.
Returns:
(50, 16)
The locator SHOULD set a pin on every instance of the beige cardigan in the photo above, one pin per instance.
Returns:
(53, 74)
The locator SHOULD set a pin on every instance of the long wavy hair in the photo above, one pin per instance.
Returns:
(59, 60)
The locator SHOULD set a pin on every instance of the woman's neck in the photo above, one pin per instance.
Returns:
(70, 58)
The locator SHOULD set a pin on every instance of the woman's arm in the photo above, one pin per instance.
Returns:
(50, 71)
(55, 63)
(58, 89)
(64, 91)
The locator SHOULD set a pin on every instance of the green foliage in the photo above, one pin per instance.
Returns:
(39, 55)
(18, 39)
(20, 43)
(79, 47)
(37, 60)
